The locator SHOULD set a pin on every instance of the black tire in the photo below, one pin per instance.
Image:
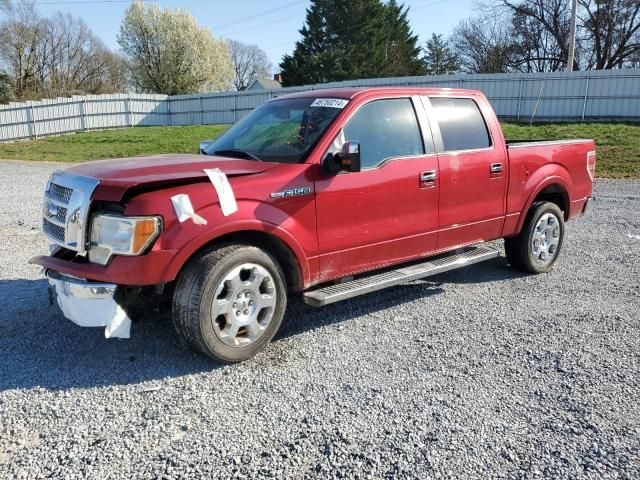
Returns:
(195, 291)
(519, 250)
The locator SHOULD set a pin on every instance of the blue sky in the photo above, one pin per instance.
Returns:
(273, 25)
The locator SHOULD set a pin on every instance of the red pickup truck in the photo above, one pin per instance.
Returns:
(333, 193)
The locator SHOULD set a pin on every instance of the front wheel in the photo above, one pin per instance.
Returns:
(536, 248)
(229, 302)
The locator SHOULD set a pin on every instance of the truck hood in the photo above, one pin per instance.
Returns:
(120, 175)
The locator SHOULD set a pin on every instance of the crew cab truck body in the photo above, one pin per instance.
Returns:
(338, 192)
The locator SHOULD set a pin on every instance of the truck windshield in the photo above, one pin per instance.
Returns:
(281, 131)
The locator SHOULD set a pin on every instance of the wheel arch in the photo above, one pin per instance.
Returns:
(554, 193)
(277, 243)
(554, 190)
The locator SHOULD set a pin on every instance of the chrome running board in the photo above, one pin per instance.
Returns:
(378, 281)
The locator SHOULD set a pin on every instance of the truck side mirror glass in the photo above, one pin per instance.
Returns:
(347, 160)
(349, 156)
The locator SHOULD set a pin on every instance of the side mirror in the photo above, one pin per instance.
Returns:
(203, 146)
(347, 160)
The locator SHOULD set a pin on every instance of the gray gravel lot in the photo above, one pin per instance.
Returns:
(478, 373)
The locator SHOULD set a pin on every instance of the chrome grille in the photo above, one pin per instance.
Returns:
(52, 230)
(60, 193)
(66, 208)
(61, 216)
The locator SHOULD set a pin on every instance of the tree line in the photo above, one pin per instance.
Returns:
(161, 51)
(533, 36)
(370, 38)
(166, 51)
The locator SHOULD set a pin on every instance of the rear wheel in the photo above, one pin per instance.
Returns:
(229, 302)
(536, 248)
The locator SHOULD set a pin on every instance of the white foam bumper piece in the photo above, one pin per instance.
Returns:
(92, 305)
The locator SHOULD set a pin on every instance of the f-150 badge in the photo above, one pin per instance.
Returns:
(293, 192)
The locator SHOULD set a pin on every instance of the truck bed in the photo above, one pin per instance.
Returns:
(535, 163)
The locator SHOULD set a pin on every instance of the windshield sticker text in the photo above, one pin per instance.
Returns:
(330, 102)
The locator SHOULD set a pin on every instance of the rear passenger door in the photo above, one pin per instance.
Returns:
(472, 172)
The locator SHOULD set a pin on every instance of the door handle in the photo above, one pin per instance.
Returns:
(496, 168)
(429, 176)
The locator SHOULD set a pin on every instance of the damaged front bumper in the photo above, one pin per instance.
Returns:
(89, 304)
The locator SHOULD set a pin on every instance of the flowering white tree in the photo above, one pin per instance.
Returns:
(167, 52)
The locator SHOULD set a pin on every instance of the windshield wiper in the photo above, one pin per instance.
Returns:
(233, 153)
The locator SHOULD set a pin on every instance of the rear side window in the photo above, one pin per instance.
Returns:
(461, 124)
(385, 129)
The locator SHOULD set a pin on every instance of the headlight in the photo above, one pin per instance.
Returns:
(116, 235)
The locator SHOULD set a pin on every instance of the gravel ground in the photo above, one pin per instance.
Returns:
(479, 373)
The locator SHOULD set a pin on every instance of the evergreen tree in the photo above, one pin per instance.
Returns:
(350, 39)
(402, 53)
(438, 57)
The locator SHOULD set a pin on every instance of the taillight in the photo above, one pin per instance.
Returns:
(591, 164)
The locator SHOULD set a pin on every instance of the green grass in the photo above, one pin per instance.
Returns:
(125, 142)
(618, 144)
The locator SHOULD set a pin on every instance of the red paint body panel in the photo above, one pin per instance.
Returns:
(118, 176)
(535, 167)
(348, 223)
(360, 227)
(472, 199)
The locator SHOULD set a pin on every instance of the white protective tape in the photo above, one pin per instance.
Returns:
(184, 209)
(223, 188)
(93, 312)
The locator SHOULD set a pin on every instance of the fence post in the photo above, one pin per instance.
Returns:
(235, 107)
(34, 130)
(30, 122)
(586, 95)
(201, 109)
(169, 110)
(127, 111)
(519, 98)
(83, 113)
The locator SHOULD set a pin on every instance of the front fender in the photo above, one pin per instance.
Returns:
(188, 250)
(292, 221)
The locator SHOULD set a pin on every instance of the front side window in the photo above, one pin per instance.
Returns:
(461, 124)
(281, 131)
(385, 129)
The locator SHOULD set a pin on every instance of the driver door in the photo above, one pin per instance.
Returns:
(387, 212)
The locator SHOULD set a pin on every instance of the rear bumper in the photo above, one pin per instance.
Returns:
(89, 304)
(588, 206)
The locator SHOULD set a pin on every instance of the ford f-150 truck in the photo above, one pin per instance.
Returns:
(332, 193)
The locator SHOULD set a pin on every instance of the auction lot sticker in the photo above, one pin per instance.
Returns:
(330, 102)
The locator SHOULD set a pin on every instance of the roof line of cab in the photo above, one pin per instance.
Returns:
(351, 93)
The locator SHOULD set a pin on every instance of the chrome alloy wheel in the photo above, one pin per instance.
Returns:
(243, 305)
(545, 238)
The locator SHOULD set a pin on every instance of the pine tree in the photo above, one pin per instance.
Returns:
(438, 58)
(350, 39)
(402, 53)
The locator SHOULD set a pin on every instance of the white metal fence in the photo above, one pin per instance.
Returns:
(604, 95)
